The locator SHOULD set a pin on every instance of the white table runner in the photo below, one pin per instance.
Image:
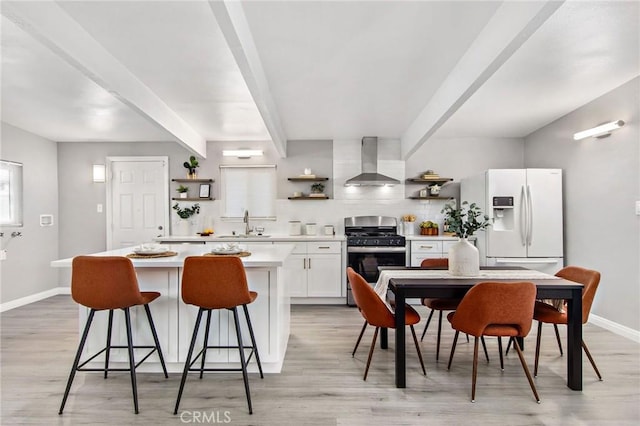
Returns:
(510, 274)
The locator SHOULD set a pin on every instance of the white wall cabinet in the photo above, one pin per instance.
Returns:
(314, 269)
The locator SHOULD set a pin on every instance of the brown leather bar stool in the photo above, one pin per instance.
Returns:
(217, 283)
(110, 282)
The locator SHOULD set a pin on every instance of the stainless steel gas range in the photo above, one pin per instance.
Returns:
(372, 241)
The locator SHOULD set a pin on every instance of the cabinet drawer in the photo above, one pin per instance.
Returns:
(300, 248)
(320, 247)
(426, 247)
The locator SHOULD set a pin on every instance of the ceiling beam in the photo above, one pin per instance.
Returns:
(235, 28)
(56, 30)
(508, 29)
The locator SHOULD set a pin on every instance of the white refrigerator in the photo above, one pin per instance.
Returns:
(525, 210)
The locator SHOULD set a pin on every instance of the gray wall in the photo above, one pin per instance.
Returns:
(601, 186)
(26, 271)
(82, 228)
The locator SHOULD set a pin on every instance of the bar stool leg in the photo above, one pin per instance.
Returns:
(206, 342)
(500, 350)
(187, 363)
(156, 341)
(106, 359)
(253, 339)
(245, 376)
(132, 363)
(76, 361)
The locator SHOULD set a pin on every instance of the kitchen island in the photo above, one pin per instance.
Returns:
(174, 320)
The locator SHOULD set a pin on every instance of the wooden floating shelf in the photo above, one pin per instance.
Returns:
(431, 198)
(192, 180)
(434, 181)
(309, 198)
(192, 199)
(303, 179)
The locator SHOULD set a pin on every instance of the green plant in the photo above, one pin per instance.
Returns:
(317, 187)
(181, 189)
(464, 221)
(187, 212)
(428, 224)
(192, 164)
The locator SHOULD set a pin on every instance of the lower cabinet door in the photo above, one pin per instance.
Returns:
(295, 275)
(324, 276)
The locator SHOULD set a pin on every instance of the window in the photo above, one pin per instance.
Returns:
(251, 188)
(10, 193)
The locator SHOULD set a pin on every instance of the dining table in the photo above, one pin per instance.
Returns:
(411, 282)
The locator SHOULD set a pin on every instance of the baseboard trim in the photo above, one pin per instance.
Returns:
(7, 306)
(616, 328)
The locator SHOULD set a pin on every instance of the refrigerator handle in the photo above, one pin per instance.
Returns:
(523, 216)
(529, 216)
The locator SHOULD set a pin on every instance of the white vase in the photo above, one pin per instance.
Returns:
(183, 227)
(464, 259)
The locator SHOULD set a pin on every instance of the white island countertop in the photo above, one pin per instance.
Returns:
(251, 238)
(261, 256)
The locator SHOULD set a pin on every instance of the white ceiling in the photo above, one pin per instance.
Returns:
(201, 71)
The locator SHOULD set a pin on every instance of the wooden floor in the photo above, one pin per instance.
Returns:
(321, 384)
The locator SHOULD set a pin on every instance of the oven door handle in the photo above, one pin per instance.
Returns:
(376, 249)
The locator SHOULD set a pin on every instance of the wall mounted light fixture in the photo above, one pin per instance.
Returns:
(601, 131)
(99, 173)
(242, 153)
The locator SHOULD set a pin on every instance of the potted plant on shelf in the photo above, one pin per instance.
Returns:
(464, 221)
(183, 226)
(317, 190)
(191, 165)
(428, 228)
(183, 191)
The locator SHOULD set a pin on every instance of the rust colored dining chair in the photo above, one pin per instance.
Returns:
(495, 309)
(439, 304)
(378, 314)
(109, 283)
(545, 313)
(217, 283)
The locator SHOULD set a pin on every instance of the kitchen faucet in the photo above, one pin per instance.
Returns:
(247, 229)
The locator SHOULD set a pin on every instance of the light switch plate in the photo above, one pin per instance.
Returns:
(638, 208)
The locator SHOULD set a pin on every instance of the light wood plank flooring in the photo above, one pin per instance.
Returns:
(321, 384)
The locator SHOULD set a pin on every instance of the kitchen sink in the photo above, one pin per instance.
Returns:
(244, 236)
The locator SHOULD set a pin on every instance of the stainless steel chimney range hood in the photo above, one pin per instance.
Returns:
(370, 175)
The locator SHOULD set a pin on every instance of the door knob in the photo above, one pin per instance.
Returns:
(160, 227)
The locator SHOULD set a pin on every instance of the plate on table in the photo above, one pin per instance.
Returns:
(148, 251)
(226, 250)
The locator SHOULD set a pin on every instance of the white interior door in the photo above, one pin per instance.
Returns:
(137, 194)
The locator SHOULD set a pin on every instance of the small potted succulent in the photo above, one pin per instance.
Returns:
(191, 165)
(183, 191)
(428, 228)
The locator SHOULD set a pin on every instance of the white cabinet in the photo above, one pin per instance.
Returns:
(426, 248)
(314, 269)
